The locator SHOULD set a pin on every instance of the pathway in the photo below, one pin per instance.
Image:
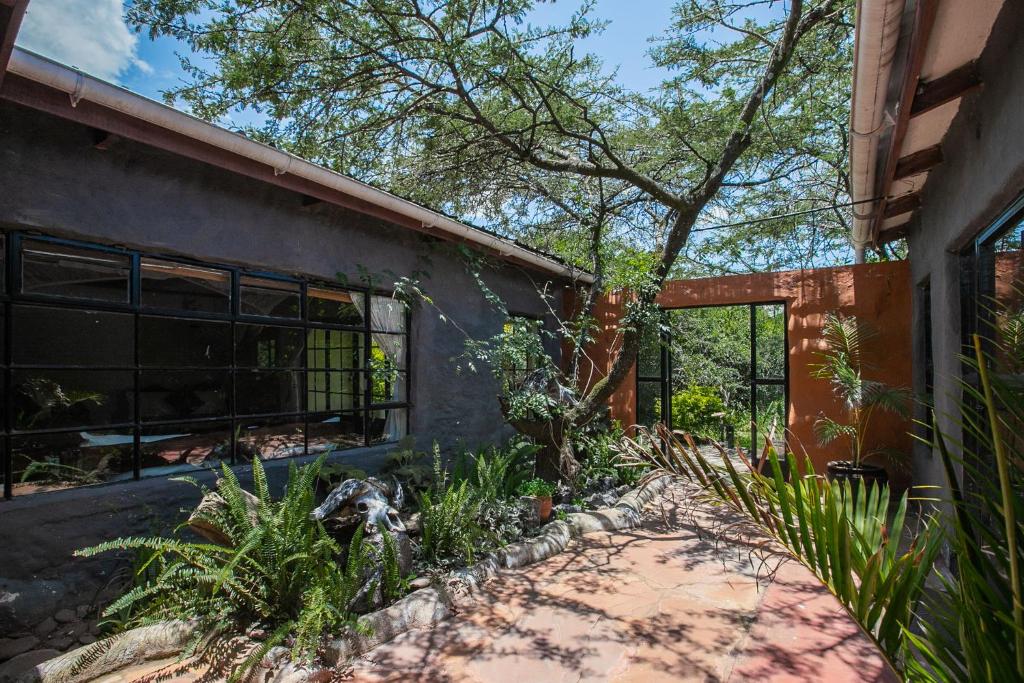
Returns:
(659, 603)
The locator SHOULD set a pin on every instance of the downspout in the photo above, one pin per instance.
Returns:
(79, 86)
(877, 35)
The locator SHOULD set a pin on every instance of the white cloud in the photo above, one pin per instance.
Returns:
(88, 34)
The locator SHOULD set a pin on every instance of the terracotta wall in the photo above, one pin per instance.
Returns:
(880, 293)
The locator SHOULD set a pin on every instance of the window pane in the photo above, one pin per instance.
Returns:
(334, 349)
(178, 342)
(335, 432)
(259, 392)
(45, 399)
(649, 355)
(273, 298)
(60, 336)
(47, 462)
(271, 438)
(183, 394)
(166, 284)
(388, 351)
(3, 262)
(333, 306)
(183, 446)
(387, 314)
(334, 391)
(60, 270)
(648, 403)
(388, 387)
(266, 346)
(389, 424)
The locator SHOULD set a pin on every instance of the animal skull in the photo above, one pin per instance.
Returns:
(373, 502)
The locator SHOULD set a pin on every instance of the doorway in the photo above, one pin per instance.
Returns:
(718, 372)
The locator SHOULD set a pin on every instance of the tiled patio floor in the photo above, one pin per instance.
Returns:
(659, 603)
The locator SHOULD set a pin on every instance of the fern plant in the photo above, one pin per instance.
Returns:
(279, 568)
(449, 528)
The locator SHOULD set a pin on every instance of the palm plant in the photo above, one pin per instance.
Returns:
(975, 625)
(279, 568)
(850, 542)
(843, 365)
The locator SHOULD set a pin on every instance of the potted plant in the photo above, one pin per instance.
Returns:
(537, 493)
(843, 365)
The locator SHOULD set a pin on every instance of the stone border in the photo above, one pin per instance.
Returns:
(419, 609)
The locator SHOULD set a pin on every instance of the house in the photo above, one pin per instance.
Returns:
(171, 300)
(937, 159)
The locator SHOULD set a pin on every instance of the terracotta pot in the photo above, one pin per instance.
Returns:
(543, 508)
(844, 470)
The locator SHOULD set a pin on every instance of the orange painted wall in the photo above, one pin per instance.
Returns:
(879, 293)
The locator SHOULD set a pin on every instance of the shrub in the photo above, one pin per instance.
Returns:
(280, 569)
(449, 528)
(495, 473)
(600, 457)
(697, 411)
(537, 488)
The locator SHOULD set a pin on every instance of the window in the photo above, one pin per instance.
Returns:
(125, 365)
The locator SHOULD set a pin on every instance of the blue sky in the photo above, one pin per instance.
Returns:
(91, 35)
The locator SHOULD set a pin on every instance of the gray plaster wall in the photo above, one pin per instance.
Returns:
(983, 172)
(54, 181)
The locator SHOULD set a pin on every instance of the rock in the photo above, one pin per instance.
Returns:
(87, 639)
(419, 582)
(13, 669)
(46, 627)
(81, 611)
(23, 604)
(94, 629)
(65, 616)
(12, 647)
(61, 642)
(76, 629)
(622, 490)
(566, 508)
(412, 523)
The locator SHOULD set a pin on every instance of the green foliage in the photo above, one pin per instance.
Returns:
(600, 457)
(393, 584)
(280, 569)
(414, 469)
(843, 365)
(449, 528)
(698, 411)
(849, 539)
(974, 630)
(538, 488)
(496, 473)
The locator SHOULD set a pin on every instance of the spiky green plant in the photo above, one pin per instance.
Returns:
(975, 625)
(843, 365)
(280, 568)
(448, 519)
(850, 542)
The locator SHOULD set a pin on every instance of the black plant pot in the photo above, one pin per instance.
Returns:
(844, 470)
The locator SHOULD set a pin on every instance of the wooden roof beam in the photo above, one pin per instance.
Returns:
(918, 162)
(902, 204)
(939, 91)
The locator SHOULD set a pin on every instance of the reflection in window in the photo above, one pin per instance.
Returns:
(181, 287)
(335, 432)
(44, 462)
(388, 424)
(270, 298)
(334, 390)
(261, 392)
(268, 346)
(180, 342)
(52, 269)
(271, 438)
(53, 399)
(333, 306)
(55, 336)
(183, 394)
(184, 446)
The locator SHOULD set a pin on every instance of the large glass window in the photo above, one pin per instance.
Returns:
(124, 365)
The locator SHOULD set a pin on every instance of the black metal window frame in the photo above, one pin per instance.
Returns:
(11, 294)
(664, 378)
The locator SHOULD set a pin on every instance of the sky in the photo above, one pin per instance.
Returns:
(92, 36)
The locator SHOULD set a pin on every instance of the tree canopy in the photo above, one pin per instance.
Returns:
(468, 106)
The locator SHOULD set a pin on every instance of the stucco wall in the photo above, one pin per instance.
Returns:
(877, 293)
(982, 173)
(53, 180)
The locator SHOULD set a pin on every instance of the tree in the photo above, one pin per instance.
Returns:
(486, 113)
